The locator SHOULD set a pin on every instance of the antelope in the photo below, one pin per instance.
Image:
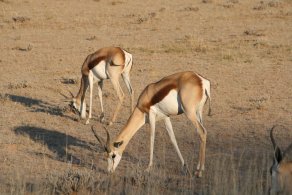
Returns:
(106, 63)
(281, 169)
(184, 92)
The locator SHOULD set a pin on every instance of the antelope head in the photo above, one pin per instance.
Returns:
(113, 150)
(281, 170)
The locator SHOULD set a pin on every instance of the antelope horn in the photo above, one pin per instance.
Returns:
(108, 140)
(99, 139)
(64, 95)
(67, 99)
(272, 138)
(71, 94)
(278, 155)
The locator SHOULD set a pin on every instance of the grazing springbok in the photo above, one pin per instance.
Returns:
(281, 169)
(184, 92)
(106, 63)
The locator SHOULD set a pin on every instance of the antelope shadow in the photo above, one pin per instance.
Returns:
(37, 105)
(56, 141)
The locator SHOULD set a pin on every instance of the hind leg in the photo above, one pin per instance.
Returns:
(126, 78)
(203, 139)
(99, 88)
(192, 104)
(114, 78)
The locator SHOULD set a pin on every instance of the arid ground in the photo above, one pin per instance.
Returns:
(244, 47)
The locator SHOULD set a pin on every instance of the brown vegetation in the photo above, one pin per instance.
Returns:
(242, 47)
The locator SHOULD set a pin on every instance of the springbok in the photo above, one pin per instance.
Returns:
(184, 92)
(281, 169)
(106, 63)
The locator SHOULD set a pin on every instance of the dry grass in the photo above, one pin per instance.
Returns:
(243, 47)
(227, 174)
(187, 44)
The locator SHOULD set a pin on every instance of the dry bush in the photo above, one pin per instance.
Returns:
(258, 103)
(207, 1)
(193, 9)
(262, 5)
(187, 44)
(69, 81)
(146, 18)
(27, 48)
(228, 57)
(4, 98)
(19, 85)
(116, 2)
(20, 19)
(252, 32)
(68, 182)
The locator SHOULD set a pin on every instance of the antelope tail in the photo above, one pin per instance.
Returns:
(207, 92)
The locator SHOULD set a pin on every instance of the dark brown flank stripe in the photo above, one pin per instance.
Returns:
(161, 94)
(93, 62)
(157, 97)
(145, 101)
(112, 54)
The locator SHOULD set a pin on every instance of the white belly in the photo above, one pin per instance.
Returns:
(99, 71)
(169, 105)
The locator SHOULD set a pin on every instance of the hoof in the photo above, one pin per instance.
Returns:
(101, 118)
(198, 174)
(110, 123)
(148, 169)
(186, 170)
(87, 122)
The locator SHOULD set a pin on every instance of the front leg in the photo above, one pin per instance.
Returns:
(90, 79)
(169, 129)
(152, 121)
(84, 86)
(99, 87)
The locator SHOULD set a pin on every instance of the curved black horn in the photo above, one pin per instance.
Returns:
(71, 94)
(67, 99)
(108, 140)
(99, 139)
(278, 155)
(272, 137)
(64, 95)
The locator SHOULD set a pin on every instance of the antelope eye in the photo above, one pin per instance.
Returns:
(113, 156)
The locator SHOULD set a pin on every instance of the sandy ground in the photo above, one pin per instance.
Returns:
(242, 47)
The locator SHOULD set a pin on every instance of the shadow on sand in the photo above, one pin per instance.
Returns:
(36, 105)
(56, 141)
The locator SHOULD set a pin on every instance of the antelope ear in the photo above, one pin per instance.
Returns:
(118, 144)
